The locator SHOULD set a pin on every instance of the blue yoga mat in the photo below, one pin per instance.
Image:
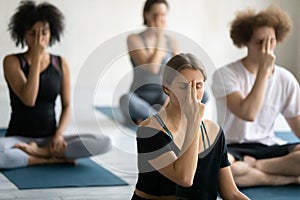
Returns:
(285, 192)
(287, 135)
(2, 132)
(115, 113)
(265, 192)
(86, 173)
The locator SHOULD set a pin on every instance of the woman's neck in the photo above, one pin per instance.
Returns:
(172, 116)
(150, 32)
(43, 59)
(31, 55)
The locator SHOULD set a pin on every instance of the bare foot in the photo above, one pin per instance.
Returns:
(60, 160)
(251, 161)
(33, 149)
(40, 161)
(231, 158)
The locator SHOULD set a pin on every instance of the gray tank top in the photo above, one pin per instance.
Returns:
(144, 81)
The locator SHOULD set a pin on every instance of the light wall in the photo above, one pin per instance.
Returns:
(89, 23)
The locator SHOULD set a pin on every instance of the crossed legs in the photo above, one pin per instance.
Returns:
(41, 155)
(21, 151)
(272, 171)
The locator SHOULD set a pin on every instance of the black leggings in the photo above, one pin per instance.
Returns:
(259, 151)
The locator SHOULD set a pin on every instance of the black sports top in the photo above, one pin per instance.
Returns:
(152, 143)
(205, 185)
(37, 121)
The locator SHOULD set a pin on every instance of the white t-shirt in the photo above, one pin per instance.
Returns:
(282, 97)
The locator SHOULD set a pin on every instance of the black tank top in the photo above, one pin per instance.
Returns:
(39, 120)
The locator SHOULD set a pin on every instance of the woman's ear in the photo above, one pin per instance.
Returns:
(166, 90)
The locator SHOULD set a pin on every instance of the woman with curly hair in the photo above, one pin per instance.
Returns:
(35, 78)
(254, 91)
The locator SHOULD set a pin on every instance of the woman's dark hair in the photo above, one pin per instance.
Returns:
(178, 63)
(28, 13)
(148, 5)
(246, 21)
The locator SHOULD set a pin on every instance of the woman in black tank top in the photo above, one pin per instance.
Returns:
(181, 155)
(35, 78)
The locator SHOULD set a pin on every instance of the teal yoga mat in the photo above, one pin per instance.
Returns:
(2, 132)
(285, 192)
(86, 173)
(256, 193)
(115, 113)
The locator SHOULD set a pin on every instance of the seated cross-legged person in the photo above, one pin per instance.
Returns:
(250, 94)
(149, 52)
(35, 78)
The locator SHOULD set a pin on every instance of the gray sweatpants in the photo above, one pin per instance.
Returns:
(78, 146)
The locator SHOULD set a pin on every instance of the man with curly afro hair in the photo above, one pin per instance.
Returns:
(250, 93)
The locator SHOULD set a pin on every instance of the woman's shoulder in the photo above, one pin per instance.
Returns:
(211, 125)
(150, 123)
(150, 134)
(212, 128)
(134, 37)
(60, 62)
(11, 60)
(171, 38)
(134, 41)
